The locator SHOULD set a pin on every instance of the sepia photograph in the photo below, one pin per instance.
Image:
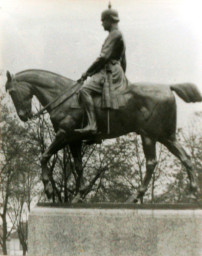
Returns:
(100, 129)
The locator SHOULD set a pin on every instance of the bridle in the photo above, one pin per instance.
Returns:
(44, 109)
(18, 95)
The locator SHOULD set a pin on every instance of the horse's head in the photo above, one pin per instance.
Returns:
(21, 95)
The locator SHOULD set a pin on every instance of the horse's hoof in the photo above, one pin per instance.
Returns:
(141, 192)
(135, 201)
(49, 195)
(131, 200)
(194, 189)
(77, 199)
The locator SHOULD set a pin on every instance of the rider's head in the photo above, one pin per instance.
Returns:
(109, 17)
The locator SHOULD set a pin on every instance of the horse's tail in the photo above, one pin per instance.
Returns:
(187, 91)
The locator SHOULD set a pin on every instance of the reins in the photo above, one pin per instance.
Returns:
(40, 112)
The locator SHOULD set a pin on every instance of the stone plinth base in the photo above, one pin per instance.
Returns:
(114, 232)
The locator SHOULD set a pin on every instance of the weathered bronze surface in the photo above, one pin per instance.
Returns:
(150, 111)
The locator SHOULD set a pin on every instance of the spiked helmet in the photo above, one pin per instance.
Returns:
(110, 14)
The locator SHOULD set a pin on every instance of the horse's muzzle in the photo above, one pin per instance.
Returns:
(23, 118)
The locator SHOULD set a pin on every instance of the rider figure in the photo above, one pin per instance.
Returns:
(112, 59)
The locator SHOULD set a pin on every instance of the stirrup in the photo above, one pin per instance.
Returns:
(93, 141)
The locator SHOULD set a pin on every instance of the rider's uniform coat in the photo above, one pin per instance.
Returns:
(112, 60)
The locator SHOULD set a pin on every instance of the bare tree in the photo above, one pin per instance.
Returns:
(17, 163)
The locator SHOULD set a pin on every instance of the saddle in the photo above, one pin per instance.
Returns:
(117, 100)
(109, 99)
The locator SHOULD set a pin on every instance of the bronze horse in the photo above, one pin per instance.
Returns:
(150, 111)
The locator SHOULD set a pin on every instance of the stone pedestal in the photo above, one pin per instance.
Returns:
(114, 232)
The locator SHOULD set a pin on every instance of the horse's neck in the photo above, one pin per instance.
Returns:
(45, 95)
(46, 86)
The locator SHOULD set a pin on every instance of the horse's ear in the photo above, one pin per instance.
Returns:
(9, 77)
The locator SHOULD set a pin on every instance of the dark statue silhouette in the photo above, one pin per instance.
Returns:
(150, 111)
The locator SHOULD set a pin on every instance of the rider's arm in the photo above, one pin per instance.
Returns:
(108, 49)
(123, 63)
(96, 66)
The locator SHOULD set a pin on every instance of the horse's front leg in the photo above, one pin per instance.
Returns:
(58, 143)
(76, 153)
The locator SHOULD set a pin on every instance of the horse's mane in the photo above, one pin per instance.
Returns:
(44, 77)
(38, 70)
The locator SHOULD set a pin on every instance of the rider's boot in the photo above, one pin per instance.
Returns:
(88, 104)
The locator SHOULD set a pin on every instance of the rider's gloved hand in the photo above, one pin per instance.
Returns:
(83, 78)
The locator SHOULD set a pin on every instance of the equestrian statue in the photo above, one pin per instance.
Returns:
(103, 104)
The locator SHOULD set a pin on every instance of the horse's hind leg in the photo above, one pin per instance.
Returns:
(56, 145)
(149, 147)
(176, 149)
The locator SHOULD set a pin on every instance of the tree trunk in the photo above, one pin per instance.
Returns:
(23, 243)
(152, 188)
(24, 248)
(4, 238)
(4, 247)
(22, 234)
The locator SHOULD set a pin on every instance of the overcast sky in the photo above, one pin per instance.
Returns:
(163, 39)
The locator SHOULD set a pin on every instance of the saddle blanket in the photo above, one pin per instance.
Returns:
(117, 101)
